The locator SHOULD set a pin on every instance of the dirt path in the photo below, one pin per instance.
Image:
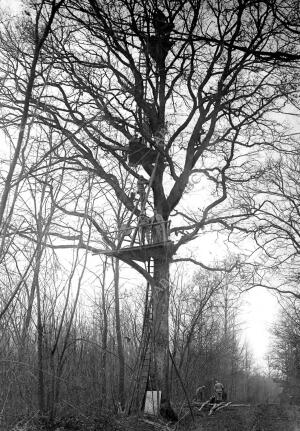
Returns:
(276, 418)
(264, 417)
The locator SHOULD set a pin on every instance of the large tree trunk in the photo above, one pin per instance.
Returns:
(160, 298)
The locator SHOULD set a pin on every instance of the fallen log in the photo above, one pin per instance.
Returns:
(203, 405)
(222, 406)
(240, 405)
(215, 407)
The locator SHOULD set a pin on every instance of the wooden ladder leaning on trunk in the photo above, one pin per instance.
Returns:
(140, 380)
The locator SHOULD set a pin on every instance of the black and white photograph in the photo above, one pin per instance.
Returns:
(149, 215)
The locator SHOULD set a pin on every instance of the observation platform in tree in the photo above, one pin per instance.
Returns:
(144, 252)
(139, 153)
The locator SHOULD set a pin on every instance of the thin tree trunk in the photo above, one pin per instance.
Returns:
(121, 358)
(104, 340)
(36, 288)
(41, 234)
(40, 334)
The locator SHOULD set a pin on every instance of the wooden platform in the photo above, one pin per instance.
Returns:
(143, 253)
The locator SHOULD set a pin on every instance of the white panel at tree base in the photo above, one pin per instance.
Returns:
(152, 402)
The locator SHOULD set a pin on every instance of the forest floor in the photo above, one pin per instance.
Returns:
(262, 417)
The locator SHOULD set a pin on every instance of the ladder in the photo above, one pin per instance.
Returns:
(145, 357)
(143, 204)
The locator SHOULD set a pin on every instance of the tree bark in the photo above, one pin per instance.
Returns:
(121, 360)
(104, 339)
(160, 298)
(40, 335)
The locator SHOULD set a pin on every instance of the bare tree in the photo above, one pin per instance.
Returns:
(195, 81)
(284, 355)
(37, 31)
(274, 202)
